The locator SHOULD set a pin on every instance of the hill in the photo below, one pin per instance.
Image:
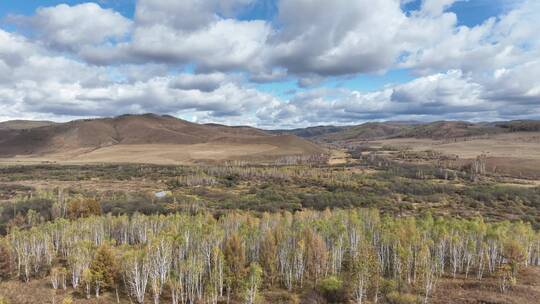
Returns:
(441, 130)
(438, 130)
(134, 138)
(311, 132)
(367, 131)
(24, 124)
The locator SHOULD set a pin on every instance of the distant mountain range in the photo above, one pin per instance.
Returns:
(33, 138)
(434, 130)
(110, 138)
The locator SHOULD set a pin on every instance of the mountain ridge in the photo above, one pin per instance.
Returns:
(87, 135)
(437, 130)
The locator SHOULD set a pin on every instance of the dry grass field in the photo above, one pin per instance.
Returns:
(516, 154)
(514, 145)
(154, 154)
(163, 154)
(472, 291)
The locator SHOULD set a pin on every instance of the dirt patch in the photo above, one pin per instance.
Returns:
(338, 157)
(486, 291)
(40, 291)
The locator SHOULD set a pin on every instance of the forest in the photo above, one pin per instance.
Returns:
(355, 255)
(374, 230)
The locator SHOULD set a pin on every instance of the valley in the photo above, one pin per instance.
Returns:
(258, 189)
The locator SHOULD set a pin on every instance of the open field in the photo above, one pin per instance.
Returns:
(472, 291)
(523, 145)
(511, 154)
(163, 154)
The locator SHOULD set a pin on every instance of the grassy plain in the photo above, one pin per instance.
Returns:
(512, 154)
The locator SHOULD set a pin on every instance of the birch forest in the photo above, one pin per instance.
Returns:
(348, 256)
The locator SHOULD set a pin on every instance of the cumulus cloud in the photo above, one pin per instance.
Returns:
(195, 58)
(453, 94)
(516, 85)
(336, 37)
(201, 82)
(75, 26)
(194, 14)
(498, 42)
(436, 7)
(44, 84)
(222, 45)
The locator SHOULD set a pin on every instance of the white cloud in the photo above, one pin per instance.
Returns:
(223, 45)
(84, 60)
(496, 43)
(42, 84)
(436, 7)
(201, 82)
(336, 37)
(516, 85)
(453, 94)
(75, 26)
(186, 15)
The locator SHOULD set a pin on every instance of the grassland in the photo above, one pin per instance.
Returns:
(508, 154)
(524, 145)
(160, 154)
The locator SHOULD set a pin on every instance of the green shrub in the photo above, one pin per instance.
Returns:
(332, 289)
(402, 298)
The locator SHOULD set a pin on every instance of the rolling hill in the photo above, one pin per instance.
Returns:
(24, 124)
(146, 138)
(438, 130)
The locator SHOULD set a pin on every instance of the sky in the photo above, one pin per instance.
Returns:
(271, 63)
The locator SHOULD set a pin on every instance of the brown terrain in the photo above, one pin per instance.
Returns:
(511, 148)
(487, 291)
(448, 291)
(145, 138)
(515, 154)
(24, 124)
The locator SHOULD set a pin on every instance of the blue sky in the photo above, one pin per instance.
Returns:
(266, 62)
(28, 7)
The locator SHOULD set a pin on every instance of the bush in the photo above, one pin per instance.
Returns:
(42, 208)
(279, 296)
(5, 261)
(135, 205)
(83, 207)
(332, 289)
(398, 298)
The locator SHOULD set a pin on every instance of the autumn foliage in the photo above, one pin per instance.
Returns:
(343, 255)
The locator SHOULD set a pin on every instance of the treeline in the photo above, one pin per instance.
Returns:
(343, 255)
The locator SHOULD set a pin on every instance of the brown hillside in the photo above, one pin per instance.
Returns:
(24, 124)
(450, 129)
(438, 130)
(85, 136)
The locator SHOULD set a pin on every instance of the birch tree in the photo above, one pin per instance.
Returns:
(136, 272)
